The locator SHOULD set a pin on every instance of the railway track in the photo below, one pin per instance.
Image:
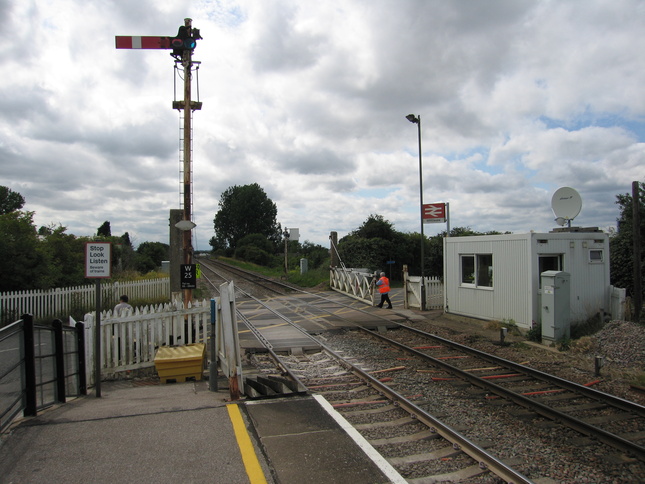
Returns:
(606, 418)
(434, 364)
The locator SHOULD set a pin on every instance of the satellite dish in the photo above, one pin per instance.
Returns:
(566, 204)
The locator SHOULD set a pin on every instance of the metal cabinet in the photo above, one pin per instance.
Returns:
(556, 305)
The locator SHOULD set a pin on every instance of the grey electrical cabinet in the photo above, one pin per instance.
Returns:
(556, 305)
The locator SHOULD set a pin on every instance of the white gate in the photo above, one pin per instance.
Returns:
(129, 342)
(412, 291)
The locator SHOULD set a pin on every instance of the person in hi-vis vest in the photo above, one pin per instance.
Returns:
(384, 288)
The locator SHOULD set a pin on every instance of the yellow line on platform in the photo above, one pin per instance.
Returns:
(250, 459)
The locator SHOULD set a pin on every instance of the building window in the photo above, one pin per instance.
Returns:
(549, 263)
(468, 269)
(485, 270)
(595, 255)
(477, 270)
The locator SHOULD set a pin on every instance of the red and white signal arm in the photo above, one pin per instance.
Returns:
(434, 213)
(143, 42)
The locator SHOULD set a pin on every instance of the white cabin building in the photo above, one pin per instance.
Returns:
(497, 277)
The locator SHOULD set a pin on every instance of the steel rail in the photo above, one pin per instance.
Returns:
(458, 440)
(567, 420)
(612, 400)
(480, 455)
(300, 387)
(544, 410)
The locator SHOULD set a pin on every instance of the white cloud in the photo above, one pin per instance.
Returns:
(309, 99)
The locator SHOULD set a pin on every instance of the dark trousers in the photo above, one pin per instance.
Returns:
(385, 297)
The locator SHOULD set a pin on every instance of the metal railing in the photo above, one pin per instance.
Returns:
(41, 365)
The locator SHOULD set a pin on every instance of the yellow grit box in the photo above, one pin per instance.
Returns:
(180, 363)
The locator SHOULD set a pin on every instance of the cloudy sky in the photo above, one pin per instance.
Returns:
(308, 99)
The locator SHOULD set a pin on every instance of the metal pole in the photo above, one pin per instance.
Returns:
(636, 258)
(188, 246)
(97, 342)
(212, 368)
(423, 288)
(29, 351)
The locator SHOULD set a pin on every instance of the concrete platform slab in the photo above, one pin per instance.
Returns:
(306, 445)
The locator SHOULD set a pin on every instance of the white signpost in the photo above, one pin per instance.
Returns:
(98, 265)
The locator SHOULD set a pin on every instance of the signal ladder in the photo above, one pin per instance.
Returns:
(181, 160)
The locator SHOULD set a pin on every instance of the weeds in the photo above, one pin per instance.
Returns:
(535, 333)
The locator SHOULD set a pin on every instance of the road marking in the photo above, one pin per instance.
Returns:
(249, 457)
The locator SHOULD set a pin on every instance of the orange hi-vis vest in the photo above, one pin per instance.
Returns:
(384, 286)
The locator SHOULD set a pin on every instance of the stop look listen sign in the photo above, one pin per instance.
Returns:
(98, 260)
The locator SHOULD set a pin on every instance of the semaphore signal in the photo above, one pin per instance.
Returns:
(182, 46)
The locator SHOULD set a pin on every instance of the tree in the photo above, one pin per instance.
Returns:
(373, 245)
(150, 255)
(10, 201)
(376, 227)
(64, 255)
(104, 230)
(244, 210)
(621, 243)
(21, 263)
(316, 254)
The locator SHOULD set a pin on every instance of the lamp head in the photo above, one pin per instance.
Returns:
(413, 119)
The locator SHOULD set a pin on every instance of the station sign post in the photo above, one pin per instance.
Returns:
(98, 265)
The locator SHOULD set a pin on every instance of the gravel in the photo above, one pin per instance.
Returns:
(620, 343)
(541, 448)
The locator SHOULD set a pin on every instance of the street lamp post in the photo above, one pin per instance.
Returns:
(417, 120)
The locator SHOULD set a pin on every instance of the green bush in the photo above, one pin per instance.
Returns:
(535, 333)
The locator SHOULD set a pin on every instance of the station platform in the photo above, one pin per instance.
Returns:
(144, 431)
(183, 432)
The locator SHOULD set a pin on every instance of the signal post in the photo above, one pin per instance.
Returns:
(182, 46)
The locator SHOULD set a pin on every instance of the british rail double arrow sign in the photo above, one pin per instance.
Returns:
(434, 213)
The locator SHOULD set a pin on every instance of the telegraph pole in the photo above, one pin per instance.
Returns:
(182, 46)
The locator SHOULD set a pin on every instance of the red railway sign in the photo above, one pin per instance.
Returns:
(434, 213)
(142, 42)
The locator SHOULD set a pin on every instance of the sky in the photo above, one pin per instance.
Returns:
(309, 100)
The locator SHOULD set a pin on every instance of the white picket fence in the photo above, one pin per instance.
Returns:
(129, 341)
(60, 302)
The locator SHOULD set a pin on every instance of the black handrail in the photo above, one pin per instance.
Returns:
(30, 383)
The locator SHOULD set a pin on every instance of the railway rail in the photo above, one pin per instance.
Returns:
(614, 421)
(607, 419)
